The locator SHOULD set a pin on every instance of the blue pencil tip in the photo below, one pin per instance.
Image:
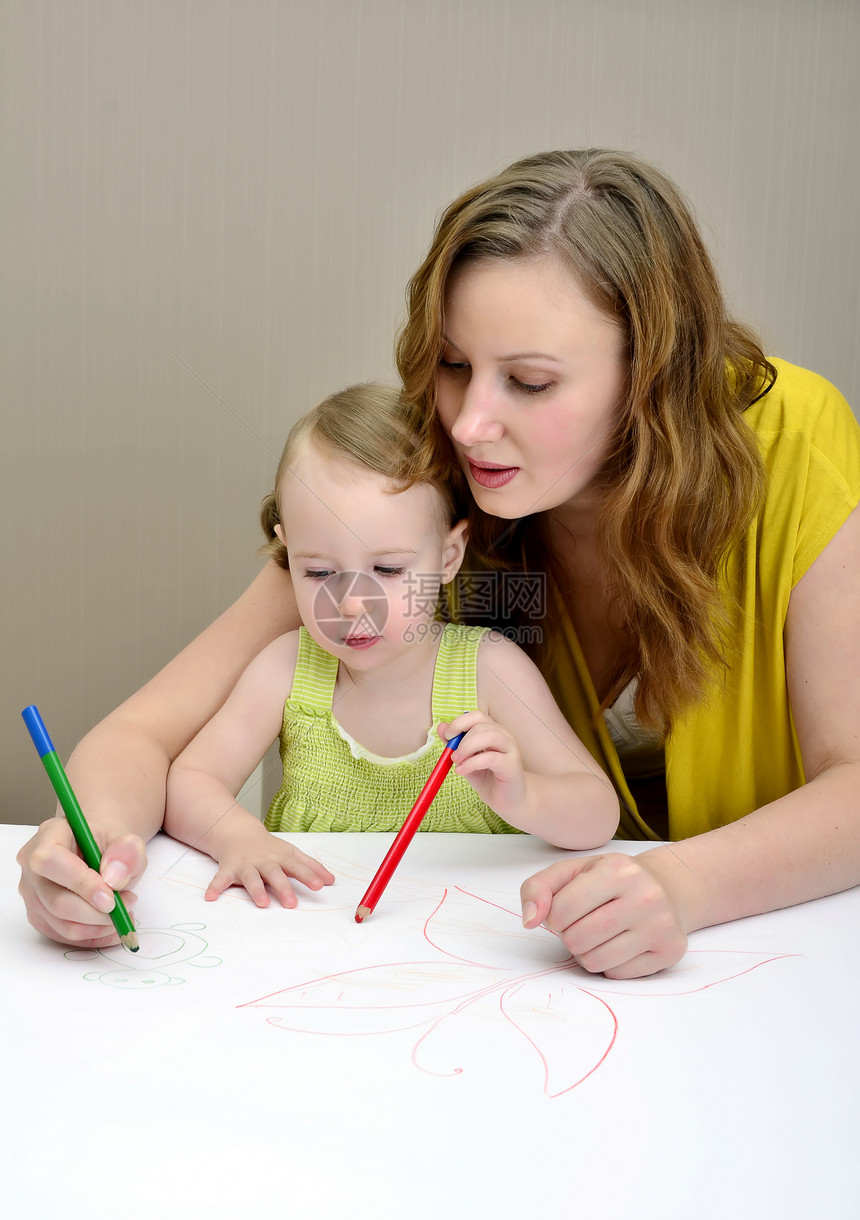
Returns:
(36, 729)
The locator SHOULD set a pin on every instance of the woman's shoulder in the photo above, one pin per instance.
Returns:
(799, 400)
(810, 444)
(804, 422)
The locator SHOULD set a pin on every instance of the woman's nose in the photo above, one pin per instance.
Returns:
(478, 420)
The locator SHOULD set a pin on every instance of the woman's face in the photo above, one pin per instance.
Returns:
(530, 384)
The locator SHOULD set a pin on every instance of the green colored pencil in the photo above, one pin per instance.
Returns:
(75, 816)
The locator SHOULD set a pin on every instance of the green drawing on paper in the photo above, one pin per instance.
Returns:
(161, 951)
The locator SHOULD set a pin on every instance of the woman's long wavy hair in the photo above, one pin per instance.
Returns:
(684, 476)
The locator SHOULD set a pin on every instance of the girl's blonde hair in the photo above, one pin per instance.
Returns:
(375, 428)
(684, 476)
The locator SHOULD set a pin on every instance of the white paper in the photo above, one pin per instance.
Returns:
(437, 1059)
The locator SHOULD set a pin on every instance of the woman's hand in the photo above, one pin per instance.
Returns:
(614, 913)
(119, 770)
(65, 900)
(255, 859)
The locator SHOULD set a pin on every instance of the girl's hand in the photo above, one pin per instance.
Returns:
(614, 913)
(256, 859)
(489, 758)
(65, 900)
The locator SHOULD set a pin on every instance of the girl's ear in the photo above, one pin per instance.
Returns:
(279, 531)
(453, 550)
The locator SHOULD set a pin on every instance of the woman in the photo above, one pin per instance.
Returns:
(692, 504)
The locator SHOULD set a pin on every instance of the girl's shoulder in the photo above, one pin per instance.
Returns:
(270, 675)
(278, 659)
(285, 647)
(503, 666)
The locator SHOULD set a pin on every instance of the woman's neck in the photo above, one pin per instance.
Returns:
(573, 523)
(580, 573)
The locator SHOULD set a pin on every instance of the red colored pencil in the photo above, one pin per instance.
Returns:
(407, 831)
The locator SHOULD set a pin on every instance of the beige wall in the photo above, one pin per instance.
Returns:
(211, 210)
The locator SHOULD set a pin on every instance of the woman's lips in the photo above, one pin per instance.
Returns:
(492, 476)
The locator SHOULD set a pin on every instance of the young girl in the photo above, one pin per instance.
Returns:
(365, 693)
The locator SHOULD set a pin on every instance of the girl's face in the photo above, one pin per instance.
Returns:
(530, 385)
(366, 562)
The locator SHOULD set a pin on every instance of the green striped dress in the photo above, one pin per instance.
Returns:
(332, 783)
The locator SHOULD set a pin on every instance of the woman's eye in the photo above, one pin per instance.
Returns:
(386, 571)
(525, 387)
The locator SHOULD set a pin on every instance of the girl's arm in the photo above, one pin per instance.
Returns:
(119, 769)
(203, 782)
(629, 916)
(523, 758)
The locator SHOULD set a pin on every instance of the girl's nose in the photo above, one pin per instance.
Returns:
(350, 606)
(478, 420)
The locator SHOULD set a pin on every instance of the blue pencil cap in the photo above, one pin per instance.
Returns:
(37, 730)
(453, 742)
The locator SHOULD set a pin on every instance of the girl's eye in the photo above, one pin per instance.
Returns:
(455, 366)
(524, 387)
(386, 571)
(318, 574)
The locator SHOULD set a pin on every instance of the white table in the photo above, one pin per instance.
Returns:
(436, 1061)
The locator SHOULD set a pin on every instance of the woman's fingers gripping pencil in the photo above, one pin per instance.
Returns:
(75, 816)
(407, 831)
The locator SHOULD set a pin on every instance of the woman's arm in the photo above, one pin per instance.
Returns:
(119, 769)
(203, 782)
(523, 758)
(629, 916)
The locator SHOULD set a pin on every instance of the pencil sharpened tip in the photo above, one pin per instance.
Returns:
(130, 941)
(361, 914)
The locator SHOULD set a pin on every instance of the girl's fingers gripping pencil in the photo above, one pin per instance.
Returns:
(75, 816)
(407, 831)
